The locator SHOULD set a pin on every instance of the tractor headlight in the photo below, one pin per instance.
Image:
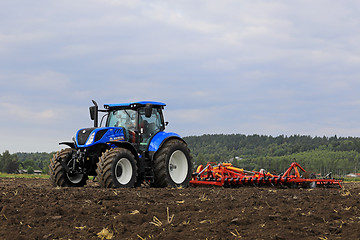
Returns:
(90, 139)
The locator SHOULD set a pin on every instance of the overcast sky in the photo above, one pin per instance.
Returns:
(230, 66)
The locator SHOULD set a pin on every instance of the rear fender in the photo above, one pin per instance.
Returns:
(160, 138)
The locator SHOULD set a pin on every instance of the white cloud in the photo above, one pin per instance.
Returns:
(191, 115)
(279, 67)
(25, 114)
(45, 80)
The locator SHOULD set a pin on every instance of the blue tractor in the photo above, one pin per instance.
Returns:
(132, 148)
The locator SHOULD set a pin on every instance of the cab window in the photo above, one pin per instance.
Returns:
(150, 126)
(122, 118)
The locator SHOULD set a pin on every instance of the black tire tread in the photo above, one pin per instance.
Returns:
(161, 178)
(57, 173)
(104, 166)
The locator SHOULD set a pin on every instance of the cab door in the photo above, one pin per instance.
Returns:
(149, 126)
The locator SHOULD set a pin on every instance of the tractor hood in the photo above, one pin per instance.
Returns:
(87, 137)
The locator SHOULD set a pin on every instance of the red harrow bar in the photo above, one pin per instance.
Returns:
(226, 175)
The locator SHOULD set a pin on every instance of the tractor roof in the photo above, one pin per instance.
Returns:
(133, 105)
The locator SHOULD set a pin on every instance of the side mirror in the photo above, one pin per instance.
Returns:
(94, 113)
(93, 110)
(148, 110)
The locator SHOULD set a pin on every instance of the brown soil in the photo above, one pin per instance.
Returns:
(33, 209)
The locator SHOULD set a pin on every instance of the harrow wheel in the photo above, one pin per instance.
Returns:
(312, 184)
(172, 165)
(117, 168)
(59, 176)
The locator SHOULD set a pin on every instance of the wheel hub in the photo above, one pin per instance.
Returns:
(178, 167)
(123, 171)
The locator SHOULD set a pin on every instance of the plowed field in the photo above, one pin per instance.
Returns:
(33, 209)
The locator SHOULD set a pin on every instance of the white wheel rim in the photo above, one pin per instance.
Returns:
(123, 171)
(178, 167)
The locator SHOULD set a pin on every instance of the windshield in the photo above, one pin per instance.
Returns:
(122, 118)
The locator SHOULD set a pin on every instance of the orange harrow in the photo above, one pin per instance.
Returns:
(226, 175)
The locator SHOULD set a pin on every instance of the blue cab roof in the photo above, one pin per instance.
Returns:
(134, 104)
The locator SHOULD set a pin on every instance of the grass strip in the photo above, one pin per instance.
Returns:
(10, 175)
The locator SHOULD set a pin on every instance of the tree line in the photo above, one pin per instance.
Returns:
(8, 162)
(340, 155)
(13, 163)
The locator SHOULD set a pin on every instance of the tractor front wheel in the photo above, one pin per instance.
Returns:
(172, 165)
(59, 176)
(117, 168)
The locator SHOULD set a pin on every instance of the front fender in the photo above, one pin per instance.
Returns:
(160, 138)
(70, 144)
(126, 145)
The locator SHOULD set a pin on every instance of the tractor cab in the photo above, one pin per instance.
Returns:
(140, 120)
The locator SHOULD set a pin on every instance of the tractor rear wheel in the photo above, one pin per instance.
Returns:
(117, 168)
(172, 165)
(59, 176)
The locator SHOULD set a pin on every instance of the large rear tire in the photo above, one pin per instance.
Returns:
(172, 165)
(58, 175)
(117, 169)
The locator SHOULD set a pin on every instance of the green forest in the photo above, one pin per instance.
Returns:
(339, 155)
(17, 162)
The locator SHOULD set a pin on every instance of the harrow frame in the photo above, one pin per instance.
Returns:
(226, 175)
